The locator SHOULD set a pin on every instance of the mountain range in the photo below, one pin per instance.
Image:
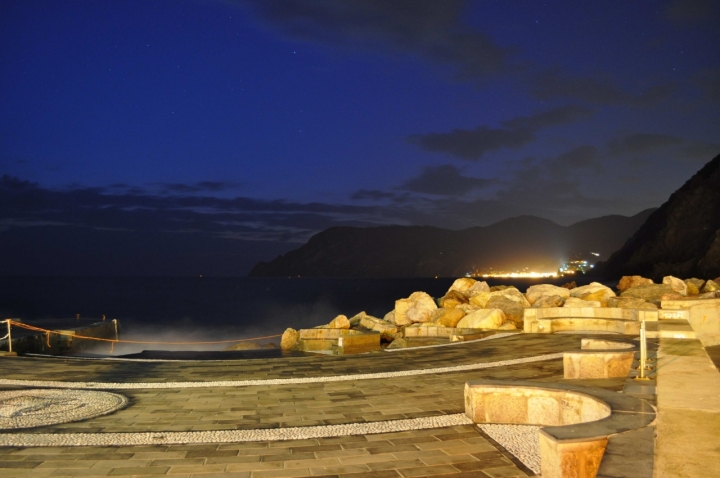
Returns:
(415, 251)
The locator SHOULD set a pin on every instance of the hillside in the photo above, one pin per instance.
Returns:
(416, 251)
(681, 238)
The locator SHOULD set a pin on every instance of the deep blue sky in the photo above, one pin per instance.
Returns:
(262, 122)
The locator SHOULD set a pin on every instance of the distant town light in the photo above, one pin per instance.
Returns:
(521, 274)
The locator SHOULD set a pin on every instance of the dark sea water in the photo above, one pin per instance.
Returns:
(207, 309)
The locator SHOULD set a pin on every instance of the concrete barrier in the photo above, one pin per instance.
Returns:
(338, 341)
(566, 451)
(612, 320)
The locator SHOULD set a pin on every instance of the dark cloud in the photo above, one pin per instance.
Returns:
(553, 84)
(199, 187)
(577, 158)
(372, 195)
(445, 180)
(690, 13)
(434, 31)
(517, 132)
(427, 29)
(640, 143)
(23, 203)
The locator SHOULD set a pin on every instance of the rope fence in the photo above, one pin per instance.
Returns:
(117, 340)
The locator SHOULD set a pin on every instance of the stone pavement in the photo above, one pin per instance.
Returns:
(688, 424)
(458, 451)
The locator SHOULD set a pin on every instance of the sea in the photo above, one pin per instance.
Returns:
(207, 309)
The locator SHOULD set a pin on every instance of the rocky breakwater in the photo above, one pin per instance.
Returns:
(641, 292)
(471, 306)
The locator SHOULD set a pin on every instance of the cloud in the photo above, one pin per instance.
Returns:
(199, 187)
(517, 132)
(426, 29)
(578, 158)
(690, 13)
(641, 143)
(554, 83)
(445, 180)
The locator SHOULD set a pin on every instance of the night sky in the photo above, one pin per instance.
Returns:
(245, 127)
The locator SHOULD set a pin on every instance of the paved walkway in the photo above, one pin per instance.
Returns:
(688, 424)
(461, 450)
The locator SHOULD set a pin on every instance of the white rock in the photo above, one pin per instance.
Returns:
(676, 284)
(419, 307)
(534, 292)
(462, 285)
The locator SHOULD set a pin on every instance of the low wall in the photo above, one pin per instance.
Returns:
(613, 320)
(566, 451)
(338, 341)
(703, 316)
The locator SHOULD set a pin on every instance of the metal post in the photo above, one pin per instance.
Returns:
(8, 322)
(643, 351)
(117, 336)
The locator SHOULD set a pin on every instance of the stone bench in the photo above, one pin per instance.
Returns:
(612, 320)
(600, 359)
(576, 421)
(338, 341)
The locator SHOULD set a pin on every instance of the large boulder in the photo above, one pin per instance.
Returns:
(535, 292)
(419, 307)
(628, 282)
(676, 284)
(594, 291)
(575, 302)
(549, 301)
(478, 287)
(630, 303)
(386, 329)
(339, 322)
(462, 285)
(513, 309)
(452, 299)
(447, 317)
(482, 319)
(390, 317)
(710, 286)
(511, 293)
(290, 339)
(649, 293)
(698, 283)
(398, 343)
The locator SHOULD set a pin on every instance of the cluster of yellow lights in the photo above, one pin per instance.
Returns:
(521, 274)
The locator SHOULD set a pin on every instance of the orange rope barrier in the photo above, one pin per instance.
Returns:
(48, 332)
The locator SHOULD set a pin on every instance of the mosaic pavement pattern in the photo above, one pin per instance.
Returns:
(34, 408)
